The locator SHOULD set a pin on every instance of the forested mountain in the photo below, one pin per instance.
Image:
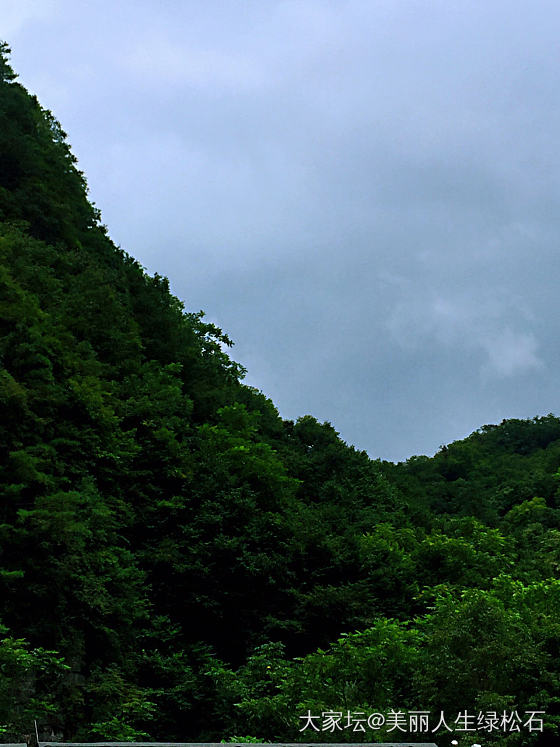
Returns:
(177, 562)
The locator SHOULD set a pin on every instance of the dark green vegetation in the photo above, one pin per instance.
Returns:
(178, 562)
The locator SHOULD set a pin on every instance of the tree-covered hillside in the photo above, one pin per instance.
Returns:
(179, 563)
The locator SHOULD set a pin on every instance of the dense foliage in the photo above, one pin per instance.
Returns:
(177, 562)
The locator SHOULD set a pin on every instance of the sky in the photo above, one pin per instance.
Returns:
(364, 194)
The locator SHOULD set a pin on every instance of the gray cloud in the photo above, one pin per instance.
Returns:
(365, 195)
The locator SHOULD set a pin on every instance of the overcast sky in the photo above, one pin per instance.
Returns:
(365, 194)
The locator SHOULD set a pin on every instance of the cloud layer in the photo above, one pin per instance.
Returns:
(365, 195)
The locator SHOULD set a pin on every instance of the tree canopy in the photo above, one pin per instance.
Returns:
(177, 562)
